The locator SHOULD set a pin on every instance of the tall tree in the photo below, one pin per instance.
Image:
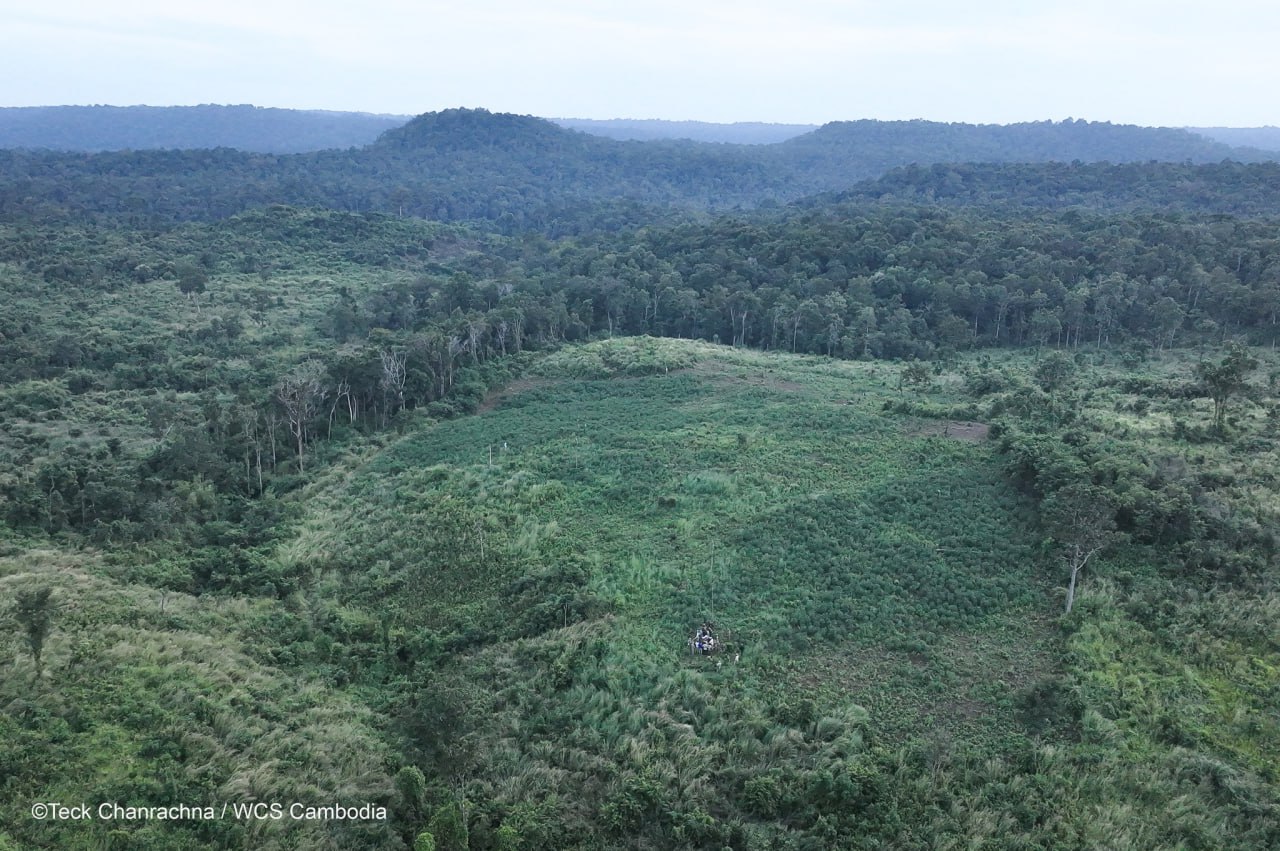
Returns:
(1055, 372)
(916, 374)
(33, 609)
(1224, 379)
(1167, 317)
(1081, 520)
(192, 281)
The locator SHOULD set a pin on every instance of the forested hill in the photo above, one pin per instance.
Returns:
(1235, 188)
(526, 173)
(516, 171)
(767, 133)
(1266, 138)
(870, 148)
(248, 128)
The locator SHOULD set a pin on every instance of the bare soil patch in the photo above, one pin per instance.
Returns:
(752, 378)
(969, 432)
(498, 395)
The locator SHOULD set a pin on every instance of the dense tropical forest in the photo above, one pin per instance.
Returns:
(414, 476)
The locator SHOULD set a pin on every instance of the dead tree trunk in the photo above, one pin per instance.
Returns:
(301, 394)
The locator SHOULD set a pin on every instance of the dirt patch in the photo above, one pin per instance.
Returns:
(751, 378)
(956, 430)
(498, 395)
(985, 671)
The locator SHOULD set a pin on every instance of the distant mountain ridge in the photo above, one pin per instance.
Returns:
(249, 128)
(868, 149)
(1266, 138)
(525, 172)
(273, 130)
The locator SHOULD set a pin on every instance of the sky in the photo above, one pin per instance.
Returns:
(1169, 63)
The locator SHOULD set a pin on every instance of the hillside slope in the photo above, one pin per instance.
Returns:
(886, 608)
(540, 568)
(483, 623)
(1229, 187)
(150, 698)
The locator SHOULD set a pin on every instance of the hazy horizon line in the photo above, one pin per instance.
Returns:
(763, 121)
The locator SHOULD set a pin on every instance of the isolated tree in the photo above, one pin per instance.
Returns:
(915, 374)
(1081, 520)
(33, 609)
(192, 281)
(1055, 372)
(1224, 379)
(412, 786)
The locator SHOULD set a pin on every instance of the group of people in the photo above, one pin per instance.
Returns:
(704, 641)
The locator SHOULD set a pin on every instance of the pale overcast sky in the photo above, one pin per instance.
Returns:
(808, 61)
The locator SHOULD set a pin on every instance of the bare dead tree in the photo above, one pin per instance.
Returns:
(456, 347)
(393, 375)
(251, 428)
(273, 425)
(517, 329)
(301, 394)
(475, 330)
(342, 391)
(500, 335)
